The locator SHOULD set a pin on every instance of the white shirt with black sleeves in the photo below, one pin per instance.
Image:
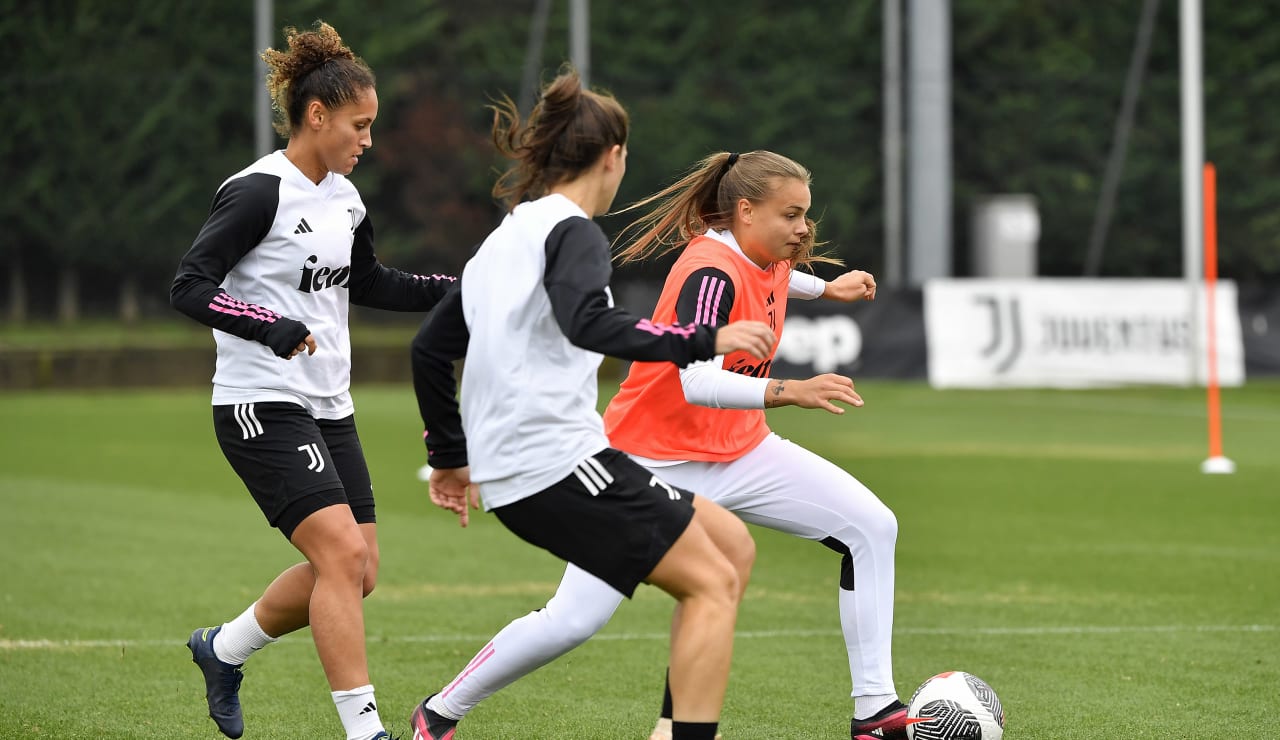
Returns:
(534, 317)
(280, 257)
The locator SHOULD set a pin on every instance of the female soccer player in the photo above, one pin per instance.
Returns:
(743, 222)
(287, 247)
(743, 219)
(533, 315)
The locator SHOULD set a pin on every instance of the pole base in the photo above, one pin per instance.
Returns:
(1218, 465)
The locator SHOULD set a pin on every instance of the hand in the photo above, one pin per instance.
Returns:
(450, 488)
(307, 345)
(753, 337)
(817, 392)
(852, 286)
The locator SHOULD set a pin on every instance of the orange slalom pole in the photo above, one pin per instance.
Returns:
(1211, 279)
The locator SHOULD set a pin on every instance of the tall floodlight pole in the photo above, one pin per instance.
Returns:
(892, 142)
(533, 55)
(928, 140)
(1189, 23)
(580, 38)
(262, 135)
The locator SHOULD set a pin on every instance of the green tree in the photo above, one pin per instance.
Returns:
(1037, 87)
(126, 110)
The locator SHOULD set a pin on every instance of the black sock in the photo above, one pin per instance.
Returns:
(694, 730)
(666, 697)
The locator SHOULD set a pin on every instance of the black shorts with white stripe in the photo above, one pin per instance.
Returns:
(292, 463)
(611, 517)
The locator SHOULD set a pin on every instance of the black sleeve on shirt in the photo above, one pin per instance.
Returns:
(705, 298)
(239, 219)
(576, 277)
(375, 285)
(441, 339)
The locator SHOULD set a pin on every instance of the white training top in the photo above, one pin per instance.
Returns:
(280, 257)
(533, 317)
(528, 395)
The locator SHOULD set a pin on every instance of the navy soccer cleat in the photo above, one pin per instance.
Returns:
(221, 682)
(889, 723)
(427, 725)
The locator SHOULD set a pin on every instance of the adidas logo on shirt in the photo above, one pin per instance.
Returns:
(303, 227)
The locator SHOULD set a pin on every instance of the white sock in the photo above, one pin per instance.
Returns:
(240, 638)
(581, 606)
(436, 704)
(865, 707)
(358, 712)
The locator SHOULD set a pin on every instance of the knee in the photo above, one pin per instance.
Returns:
(885, 526)
(729, 582)
(347, 558)
(875, 527)
(370, 574)
(743, 558)
(570, 627)
(739, 548)
(580, 626)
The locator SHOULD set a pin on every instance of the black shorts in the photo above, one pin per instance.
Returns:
(611, 517)
(294, 464)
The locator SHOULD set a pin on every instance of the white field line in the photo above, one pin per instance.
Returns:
(1076, 401)
(1045, 631)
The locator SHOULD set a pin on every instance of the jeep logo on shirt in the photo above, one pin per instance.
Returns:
(318, 278)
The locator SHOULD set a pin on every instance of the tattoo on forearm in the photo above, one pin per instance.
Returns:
(777, 389)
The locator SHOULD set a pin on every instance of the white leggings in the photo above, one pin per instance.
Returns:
(778, 485)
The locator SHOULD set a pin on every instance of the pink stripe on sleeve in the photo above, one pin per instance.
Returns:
(223, 303)
(661, 329)
(715, 309)
(702, 296)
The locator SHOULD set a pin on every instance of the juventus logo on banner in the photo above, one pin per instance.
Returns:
(1010, 349)
(317, 460)
(1077, 333)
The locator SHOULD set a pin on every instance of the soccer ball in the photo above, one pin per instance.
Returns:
(955, 706)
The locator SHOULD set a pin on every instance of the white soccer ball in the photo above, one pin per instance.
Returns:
(955, 706)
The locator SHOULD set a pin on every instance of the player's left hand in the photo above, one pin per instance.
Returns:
(818, 392)
(852, 286)
(450, 488)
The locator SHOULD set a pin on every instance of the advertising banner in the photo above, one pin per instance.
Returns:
(1075, 333)
(883, 338)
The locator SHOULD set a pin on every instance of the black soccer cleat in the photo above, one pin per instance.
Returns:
(889, 723)
(427, 725)
(221, 682)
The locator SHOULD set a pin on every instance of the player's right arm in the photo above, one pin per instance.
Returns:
(442, 339)
(239, 219)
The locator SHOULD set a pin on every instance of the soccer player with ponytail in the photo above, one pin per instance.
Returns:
(287, 247)
(533, 316)
(741, 223)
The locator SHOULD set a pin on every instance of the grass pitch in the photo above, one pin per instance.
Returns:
(1061, 545)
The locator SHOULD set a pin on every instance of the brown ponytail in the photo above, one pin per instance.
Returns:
(564, 136)
(706, 197)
